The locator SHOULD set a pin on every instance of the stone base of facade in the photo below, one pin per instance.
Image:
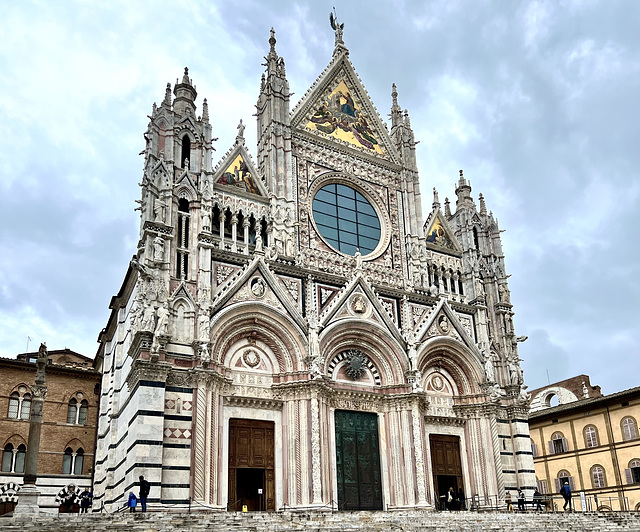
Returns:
(27, 502)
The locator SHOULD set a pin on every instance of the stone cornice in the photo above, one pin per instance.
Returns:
(145, 370)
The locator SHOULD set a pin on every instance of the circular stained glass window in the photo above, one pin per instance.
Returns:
(346, 220)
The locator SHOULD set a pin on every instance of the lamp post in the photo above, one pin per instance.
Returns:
(28, 494)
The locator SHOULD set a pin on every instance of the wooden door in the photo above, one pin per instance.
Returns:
(251, 446)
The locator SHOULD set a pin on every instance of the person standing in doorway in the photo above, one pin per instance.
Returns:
(461, 500)
(565, 491)
(145, 487)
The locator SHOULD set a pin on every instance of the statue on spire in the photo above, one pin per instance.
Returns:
(337, 27)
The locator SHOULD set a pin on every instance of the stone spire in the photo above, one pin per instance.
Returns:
(205, 111)
(447, 208)
(185, 93)
(463, 191)
(483, 206)
(396, 110)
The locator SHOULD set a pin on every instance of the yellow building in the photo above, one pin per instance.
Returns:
(589, 440)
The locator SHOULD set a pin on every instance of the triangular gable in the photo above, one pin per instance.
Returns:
(246, 281)
(182, 292)
(358, 298)
(324, 295)
(337, 107)
(185, 180)
(444, 322)
(237, 171)
(439, 235)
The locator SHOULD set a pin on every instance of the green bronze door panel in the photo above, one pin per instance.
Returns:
(358, 461)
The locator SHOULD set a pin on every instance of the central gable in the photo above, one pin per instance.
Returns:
(337, 108)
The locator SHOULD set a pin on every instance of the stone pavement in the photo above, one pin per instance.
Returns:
(399, 521)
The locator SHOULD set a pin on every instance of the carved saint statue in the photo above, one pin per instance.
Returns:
(514, 373)
(158, 249)
(148, 319)
(258, 247)
(163, 321)
(488, 367)
(358, 261)
(203, 326)
(41, 364)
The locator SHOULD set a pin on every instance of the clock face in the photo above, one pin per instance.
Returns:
(346, 220)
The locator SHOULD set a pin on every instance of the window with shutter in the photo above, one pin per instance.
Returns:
(597, 475)
(629, 431)
(634, 472)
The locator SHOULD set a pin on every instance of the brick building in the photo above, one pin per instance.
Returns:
(69, 424)
(589, 440)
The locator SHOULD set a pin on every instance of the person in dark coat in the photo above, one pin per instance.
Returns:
(68, 499)
(521, 500)
(537, 498)
(145, 488)
(86, 498)
(461, 501)
(132, 502)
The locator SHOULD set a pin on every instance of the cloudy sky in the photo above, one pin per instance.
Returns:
(537, 101)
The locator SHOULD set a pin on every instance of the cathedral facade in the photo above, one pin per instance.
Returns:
(292, 333)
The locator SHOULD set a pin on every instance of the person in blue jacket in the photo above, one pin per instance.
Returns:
(133, 501)
(565, 491)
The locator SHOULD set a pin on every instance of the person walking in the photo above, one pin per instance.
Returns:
(145, 488)
(132, 502)
(451, 499)
(565, 491)
(537, 497)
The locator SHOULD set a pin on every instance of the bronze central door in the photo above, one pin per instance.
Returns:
(251, 465)
(358, 461)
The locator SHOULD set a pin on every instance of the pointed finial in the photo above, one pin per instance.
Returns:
(272, 41)
(447, 208)
(262, 82)
(407, 120)
(461, 180)
(436, 201)
(205, 111)
(185, 77)
(483, 206)
(167, 96)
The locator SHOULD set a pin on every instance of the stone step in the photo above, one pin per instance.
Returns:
(409, 521)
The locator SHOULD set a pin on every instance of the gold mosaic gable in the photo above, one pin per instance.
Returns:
(340, 116)
(239, 174)
(440, 235)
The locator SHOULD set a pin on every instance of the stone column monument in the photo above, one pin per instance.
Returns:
(28, 494)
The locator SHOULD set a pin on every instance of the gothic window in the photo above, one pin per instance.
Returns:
(77, 411)
(13, 459)
(14, 406)
(186, 150)
(20, 458)
(72, 410)
(632, 473)
(182, 259)
(476, 242)
(558, 444)
(67, 461)
(346, 220)
(19, 404)
(590, 436)
(460, 287)
(597, 477)
(629, 429)
(7, 458)
(82, 412)
(78, 462)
